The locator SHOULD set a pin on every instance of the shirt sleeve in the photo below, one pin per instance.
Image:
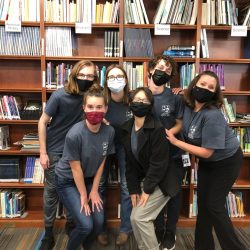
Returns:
(52, 105)
(72, 148)
(179, 107)
(214, 130)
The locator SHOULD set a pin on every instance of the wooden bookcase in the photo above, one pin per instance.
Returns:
(23, 76)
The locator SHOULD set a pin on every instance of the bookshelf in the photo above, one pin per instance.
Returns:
(24, 76)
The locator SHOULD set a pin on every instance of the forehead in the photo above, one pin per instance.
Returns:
(115, 71)
(141, 94)
(208, 80)
(163, 63)
(94, 100)
(87, 70)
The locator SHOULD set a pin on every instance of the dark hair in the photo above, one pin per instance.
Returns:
(147, 92)
(71, 86)
(217, 99)
(95, 90)
(168, 60)
(107, 92)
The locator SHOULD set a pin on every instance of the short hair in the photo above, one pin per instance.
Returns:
(147, 92)
(168, 60)
(217, 99)
(107, 92)
(95, 90)
(71, 86)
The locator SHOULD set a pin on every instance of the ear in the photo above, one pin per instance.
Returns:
(83, 107)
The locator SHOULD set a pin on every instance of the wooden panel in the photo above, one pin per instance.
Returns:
(15, 74)
(112, 201)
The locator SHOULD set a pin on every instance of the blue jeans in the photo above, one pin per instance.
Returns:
(126, 205)
(87, 227)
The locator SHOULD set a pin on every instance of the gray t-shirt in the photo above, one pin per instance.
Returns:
(87, 147)
(65, 110)
(209, 129)
(167, 108)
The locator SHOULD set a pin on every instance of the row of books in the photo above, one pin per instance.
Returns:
(12, 203)
(229, 110)
(187, 73)
(34, 172)
(204, 44)
(57, 75)
(243, 135)
(234, 205)
(81, 11)
(135, 74)
(9, 107)
(246, 15)
(180, 51)
(219, 12)
(111, 43)
(20, 10)
(138, 43)
(176, 12)
(135, 12)
(30, 142)
(26, 42)
(4, 137)
(59, 41)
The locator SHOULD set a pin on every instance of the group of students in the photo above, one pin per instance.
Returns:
(151, 131)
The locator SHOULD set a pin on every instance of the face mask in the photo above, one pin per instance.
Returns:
(116, 85)
(140, 109)
(160, 77)
(83, 85)
(202, 95)
(94, 117)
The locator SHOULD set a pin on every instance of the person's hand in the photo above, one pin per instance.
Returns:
(143, 199)
(105, 121)
(170, 136)
(44, 161)
(96, 200)
(177, 91)
(85, 205)
(134, 199)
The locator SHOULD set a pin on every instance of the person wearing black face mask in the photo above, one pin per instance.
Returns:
(168, 109)
(151, 179)
(208, 137)
(65, 108)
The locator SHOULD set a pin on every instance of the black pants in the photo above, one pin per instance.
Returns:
(215, 180)
(173, 206)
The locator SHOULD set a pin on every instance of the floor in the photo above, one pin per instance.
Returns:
(30, 238)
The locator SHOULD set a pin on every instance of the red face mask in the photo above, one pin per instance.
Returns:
(94, 117)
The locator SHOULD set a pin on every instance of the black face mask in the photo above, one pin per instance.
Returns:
(140, 109)
(160, 77)
(83, 85)
(202, 95)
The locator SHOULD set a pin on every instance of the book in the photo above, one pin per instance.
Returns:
(9, 170)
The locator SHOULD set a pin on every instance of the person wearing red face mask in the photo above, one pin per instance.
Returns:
(208, 137)
(78, 172)
(62, 111)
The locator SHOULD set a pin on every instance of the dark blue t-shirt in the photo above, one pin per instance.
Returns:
(65, 110)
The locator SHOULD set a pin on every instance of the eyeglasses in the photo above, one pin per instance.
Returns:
(83, 76)
(118, 77)
(146, 101)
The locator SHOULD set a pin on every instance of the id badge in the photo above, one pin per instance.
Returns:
(186, 160)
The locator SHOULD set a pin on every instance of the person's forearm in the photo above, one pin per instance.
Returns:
(42, 136)
(195, 150)
(79, 180)
(98, 176)
(177, 127)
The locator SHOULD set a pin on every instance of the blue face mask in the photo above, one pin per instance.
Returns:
(202, 95)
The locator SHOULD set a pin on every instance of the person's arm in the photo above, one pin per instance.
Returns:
(79, 181)
(192, 149)
(177, 127)
(42, 132)
(94, 194)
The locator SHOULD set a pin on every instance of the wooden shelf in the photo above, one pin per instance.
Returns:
(146, 59)
(242, 184)
(151, 26)
(218, 27)
(78, 58)
(20, 185)
(17, 151)
(32, 24)
(239, 124)
(225, 60)
(94, 25)
(24, 90)
(19, 122)
(12, 57)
